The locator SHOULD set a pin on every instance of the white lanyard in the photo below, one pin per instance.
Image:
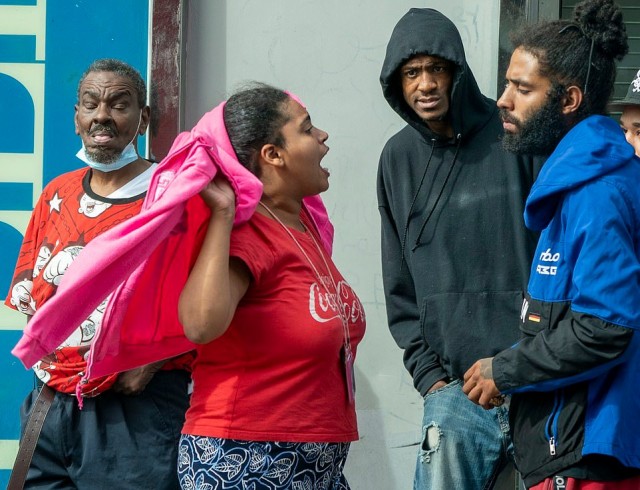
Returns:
(340, 304)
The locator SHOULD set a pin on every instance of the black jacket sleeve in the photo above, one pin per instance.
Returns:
(581, 347)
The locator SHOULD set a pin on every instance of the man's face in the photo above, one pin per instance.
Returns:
(426, 87)
(630, 124)
(531, 113)
(107, 115)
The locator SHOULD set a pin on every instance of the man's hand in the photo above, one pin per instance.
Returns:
(479, 385)
(437, 385)
(134, 381)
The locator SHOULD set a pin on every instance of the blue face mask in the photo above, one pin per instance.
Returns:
(128, 155)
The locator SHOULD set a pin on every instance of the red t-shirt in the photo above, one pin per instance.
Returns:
(67, 216)
(277, 374)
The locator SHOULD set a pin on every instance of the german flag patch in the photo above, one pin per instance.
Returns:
(534, 318)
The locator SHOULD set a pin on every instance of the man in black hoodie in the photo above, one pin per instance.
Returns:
(455, 252)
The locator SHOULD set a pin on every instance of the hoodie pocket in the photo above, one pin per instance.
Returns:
(464, 327)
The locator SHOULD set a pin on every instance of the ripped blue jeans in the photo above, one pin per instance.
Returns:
(463, 446)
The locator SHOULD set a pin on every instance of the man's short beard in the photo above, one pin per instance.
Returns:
(103, 155)
(540, 133)
(440, 118)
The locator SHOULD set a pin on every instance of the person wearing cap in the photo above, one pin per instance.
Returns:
(630, 117)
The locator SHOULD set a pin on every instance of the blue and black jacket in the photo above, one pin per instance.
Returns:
(575, 376)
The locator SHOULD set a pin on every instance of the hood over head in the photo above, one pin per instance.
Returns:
(593, 148)
(426, 31)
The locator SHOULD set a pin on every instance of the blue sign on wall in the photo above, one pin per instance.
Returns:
(39, 73)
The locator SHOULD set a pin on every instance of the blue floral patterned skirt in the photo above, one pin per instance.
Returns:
(210, 463)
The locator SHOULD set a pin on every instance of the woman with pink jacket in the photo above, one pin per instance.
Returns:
(276, 324)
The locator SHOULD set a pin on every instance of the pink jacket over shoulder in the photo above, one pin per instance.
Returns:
(145, 260)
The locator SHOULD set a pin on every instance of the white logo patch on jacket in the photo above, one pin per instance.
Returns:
(551, 258)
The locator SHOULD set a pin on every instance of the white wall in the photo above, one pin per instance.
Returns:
(330, 53)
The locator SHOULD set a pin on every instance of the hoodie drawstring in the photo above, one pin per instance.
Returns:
(413, 202)
(435, 204)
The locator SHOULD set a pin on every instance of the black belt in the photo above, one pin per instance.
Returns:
(30, 438)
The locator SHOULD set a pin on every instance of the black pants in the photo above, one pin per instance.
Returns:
(116, 442)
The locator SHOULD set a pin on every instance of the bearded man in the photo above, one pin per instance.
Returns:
(573, 377)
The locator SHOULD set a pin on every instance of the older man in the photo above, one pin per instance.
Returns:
(127, 432)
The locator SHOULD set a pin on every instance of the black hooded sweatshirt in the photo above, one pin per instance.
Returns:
(455, 251)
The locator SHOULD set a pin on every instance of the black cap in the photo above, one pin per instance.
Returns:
(633, 95)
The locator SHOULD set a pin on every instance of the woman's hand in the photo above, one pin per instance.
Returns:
(219, 196)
